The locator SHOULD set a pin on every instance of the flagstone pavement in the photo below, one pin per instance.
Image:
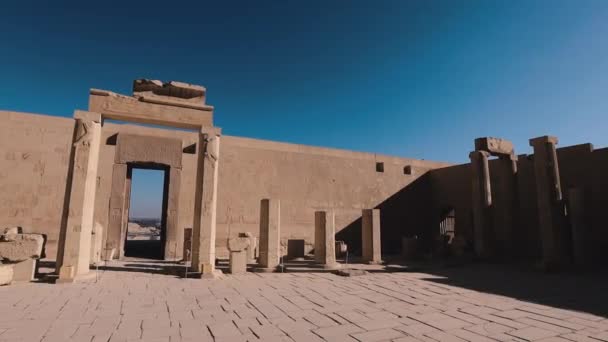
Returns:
(308, 307)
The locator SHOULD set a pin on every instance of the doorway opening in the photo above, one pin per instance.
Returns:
(146, 227)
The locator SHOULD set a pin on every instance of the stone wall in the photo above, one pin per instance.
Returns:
(35, 155)
(579, 166)
(34, 159)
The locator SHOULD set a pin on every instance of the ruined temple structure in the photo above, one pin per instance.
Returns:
(69, 178)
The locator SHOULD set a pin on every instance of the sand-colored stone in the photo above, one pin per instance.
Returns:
(270, 234)
(97, 244)
(6, 274)
(204, 230)
(24, 270)
(325, 239)
(371, 251)
(20, 247)
(252, 248)
(238, 254)
(75, 250)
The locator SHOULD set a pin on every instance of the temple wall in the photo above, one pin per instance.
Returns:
(34, 159)
(35, 152)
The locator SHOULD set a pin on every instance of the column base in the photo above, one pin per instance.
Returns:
(335, 266)
(374, 262)
(215, 274)
(77, 279)
(267, 269)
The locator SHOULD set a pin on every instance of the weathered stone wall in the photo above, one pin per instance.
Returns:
(34, 158)
(35, 151)
(579, 166)
(305, 179)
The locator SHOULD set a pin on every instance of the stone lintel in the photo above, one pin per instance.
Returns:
(146, 149)
(495, 146)
(158, 112)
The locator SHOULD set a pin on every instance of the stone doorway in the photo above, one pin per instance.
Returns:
(167, 104)
(146, 231)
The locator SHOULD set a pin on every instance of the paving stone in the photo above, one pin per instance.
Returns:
(134, 306)
(377, 335)
(532, 333)
(333, 332)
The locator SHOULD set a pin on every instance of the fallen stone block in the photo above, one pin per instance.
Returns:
(20, 247)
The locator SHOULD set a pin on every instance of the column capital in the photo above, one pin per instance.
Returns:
(211, 130)
(87, 116)
(475, 154)
(543, 139)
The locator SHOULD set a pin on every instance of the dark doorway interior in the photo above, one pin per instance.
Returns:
(146, 230)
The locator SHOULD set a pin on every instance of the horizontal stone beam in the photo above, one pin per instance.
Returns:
(495, 146)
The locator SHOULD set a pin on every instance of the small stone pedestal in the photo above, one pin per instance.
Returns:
(252, 248)
(238, 254)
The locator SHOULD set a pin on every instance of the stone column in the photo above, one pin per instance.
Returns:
(551, 217)
(173, 236)
(203, 231)
(370, 236)
(325, 239)
(579, 225)
(270, 234)
(482, 200)
(115, 237)
(75, 242)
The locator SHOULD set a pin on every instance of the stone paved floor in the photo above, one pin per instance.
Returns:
(139, 306)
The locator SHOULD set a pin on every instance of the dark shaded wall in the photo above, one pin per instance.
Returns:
(580, 166)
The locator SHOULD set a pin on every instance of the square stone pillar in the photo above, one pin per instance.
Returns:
(75, 240)
(551, 216)
(118, 204)
(270, 234)
(482, 200)
(204, 229)
(173, 236)
(325, 239)
(370, 236)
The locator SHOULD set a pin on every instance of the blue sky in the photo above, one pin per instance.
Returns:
(409, 78)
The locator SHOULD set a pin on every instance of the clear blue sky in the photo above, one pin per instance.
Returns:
(410, 78)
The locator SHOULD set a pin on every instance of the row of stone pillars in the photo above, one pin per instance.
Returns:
(325, 243)
(493, 217)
